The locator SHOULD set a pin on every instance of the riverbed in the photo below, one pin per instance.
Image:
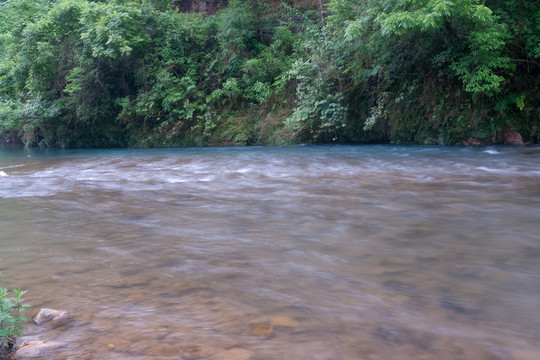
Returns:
(307, 252)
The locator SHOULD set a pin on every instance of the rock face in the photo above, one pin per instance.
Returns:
(513, 138)
(47, 315)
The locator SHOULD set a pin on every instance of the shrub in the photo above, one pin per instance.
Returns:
(11, 318)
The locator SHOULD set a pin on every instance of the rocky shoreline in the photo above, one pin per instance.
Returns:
(30, 347)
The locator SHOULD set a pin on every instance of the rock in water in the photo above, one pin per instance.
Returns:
(46, 315)
(234, 354)
(31, 347)
(284, 320)
(262, 330)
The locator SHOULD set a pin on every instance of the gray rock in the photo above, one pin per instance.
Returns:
(47, 315)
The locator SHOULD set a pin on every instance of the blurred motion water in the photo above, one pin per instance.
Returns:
(309, 252)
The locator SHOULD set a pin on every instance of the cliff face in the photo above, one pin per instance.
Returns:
(201, 6)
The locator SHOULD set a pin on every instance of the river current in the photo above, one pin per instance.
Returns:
(308, 252)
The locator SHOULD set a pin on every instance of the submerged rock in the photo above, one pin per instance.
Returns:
(262, 330)
(234, 354)
(284, 321)
(197, 351)
(31, 347)
(47, 315)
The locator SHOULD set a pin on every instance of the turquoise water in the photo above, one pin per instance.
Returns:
(309, 252)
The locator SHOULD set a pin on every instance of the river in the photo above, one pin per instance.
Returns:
(308, 252)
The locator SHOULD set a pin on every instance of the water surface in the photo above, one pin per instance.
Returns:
(341, 252)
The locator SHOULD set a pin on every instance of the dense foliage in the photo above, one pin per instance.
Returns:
(81, 73)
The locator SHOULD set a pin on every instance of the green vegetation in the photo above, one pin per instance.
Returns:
(11, 309)
(149, 73)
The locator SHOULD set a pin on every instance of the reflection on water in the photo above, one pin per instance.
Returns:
(371, 252)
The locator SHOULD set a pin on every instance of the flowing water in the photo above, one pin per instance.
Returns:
(331, 252)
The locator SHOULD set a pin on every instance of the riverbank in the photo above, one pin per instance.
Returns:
(269, 130)
(87, 74)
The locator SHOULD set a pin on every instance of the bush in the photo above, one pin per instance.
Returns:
(11, 318)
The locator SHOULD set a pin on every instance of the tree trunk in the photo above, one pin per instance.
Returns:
(321, 9)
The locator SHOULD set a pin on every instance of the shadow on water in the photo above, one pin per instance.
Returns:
(338, 252)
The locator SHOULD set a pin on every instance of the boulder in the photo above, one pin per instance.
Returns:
(513, 138)
(50, 315)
